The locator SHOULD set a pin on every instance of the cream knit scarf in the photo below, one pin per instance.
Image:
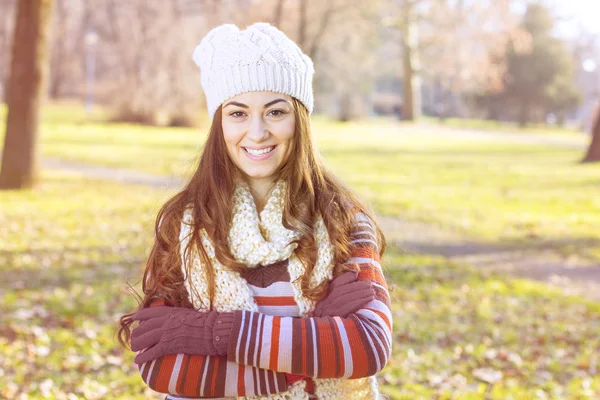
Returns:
(263, 240)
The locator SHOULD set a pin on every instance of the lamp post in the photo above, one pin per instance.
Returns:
(91, 40)
(589, 66)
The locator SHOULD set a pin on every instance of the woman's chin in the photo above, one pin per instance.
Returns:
(256, 174)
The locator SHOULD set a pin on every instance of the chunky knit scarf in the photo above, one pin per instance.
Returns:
(263, 240)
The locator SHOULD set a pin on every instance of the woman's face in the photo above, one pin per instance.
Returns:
(258, 128)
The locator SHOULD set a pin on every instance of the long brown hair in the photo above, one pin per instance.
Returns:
(312, 189)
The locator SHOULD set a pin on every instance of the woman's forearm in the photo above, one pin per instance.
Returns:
(209, 377)
(203, 376)
(328, 347)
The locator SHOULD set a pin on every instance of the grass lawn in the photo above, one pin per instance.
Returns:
(71, 245)
(490, 125)
(463, 334)
(68, 250)
(532, 194)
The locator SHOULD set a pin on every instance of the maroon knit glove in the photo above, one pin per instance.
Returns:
(346, 295)
(173, 330)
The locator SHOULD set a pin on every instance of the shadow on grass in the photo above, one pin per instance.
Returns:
(542, 261)
(103, 142)
(466, 247)
(68, 266)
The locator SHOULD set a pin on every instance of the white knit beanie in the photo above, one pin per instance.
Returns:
(260, 58)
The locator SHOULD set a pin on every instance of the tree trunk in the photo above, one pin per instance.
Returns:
(324, 23)
(302, 24)
(28, 74)
(524, 114)
(344, 114)
(7, 10)
(411, 103)
(58, 56)
(593, 153)
(278, 14)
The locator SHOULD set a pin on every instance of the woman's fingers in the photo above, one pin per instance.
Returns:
(344, 279)
(152, 312)
(353, 287)
(357, 304)
(352, 301)
(351, 296)
(148, 355)
(147, 326)
(144, 340)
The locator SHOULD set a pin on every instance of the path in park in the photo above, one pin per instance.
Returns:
(572, 274)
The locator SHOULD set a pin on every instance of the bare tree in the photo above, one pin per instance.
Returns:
(278, 13)
(324, 22)
(586, 48)
(67, 48)
(411, 106)
(302, 23)
(58, 52)
(409, 23)
(452, 38)
(144, 69)
(28, 73)
(344, 40)
(7, 9)
(593, 152)
(146, 50)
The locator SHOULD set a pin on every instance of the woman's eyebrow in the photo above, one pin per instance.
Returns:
(235, 103)
(275, 101)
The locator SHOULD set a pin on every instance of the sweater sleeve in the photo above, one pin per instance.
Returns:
(329, 347)
(197, 376)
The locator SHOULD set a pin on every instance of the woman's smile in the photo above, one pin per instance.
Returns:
(259, 154)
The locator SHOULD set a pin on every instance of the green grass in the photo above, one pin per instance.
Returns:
(464, 334)
(524, 193)
(531, 194)
(71, 246)
(70, 250)
(503, 126)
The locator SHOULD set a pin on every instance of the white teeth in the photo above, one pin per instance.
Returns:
(259, 152)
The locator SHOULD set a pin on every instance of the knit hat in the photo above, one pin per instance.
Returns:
(260, 58)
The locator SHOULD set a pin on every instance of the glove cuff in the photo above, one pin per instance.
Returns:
(222, 332)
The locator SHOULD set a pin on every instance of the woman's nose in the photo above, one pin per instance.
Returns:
(258, 129)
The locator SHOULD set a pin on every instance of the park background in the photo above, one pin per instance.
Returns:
(468, 124)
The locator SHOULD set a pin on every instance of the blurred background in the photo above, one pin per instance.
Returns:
(472, 127)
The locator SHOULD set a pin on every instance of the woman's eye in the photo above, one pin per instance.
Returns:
(237, 114)
(277, 113)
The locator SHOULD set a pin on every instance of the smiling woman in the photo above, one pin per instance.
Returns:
(265, 277)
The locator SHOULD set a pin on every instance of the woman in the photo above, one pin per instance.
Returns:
(264, 279)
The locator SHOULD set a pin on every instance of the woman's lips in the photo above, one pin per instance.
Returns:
(260, 156)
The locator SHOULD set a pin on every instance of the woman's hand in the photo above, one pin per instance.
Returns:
(172, 330)
(346, 295)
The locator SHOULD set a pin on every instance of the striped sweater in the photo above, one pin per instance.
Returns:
(268, 345)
